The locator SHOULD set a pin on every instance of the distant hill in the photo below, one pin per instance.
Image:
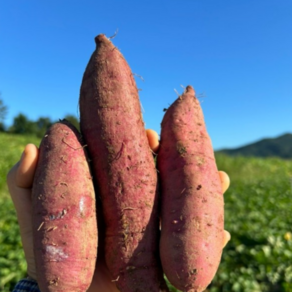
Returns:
(275, 147)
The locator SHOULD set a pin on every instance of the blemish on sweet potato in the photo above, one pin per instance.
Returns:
(54, 281)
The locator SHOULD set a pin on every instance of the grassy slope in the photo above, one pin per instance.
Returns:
(257, 211)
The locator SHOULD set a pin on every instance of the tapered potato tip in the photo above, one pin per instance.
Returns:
(190, 90)
(101, 38)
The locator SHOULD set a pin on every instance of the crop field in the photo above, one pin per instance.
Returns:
(258, 214)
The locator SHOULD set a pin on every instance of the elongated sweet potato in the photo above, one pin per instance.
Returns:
(124, 170)
(192, 202)
(64, 218)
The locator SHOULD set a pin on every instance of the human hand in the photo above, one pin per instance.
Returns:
(20, 180)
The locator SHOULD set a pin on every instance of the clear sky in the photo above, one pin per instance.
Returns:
(237, 54)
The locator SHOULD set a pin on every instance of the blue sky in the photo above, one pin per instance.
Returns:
(236, 54)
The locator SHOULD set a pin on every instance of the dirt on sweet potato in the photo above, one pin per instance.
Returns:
(64, 214)
(192, 220)
(124, 170)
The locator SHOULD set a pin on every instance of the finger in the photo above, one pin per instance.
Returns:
(153, 139)
(19, 181)
(27, 166)
(225, 181)
(227, 237)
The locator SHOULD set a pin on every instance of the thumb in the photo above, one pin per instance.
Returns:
(27, 166)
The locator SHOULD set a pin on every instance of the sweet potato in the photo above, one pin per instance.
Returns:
(124, 170)
(192, 202)
(64, 217)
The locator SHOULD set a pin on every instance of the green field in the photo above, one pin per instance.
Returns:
(258, 215)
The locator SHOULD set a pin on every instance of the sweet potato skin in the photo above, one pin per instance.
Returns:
(192, 203)
(64, 217)
(124, 170)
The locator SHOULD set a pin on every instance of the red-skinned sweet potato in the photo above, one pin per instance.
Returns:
(124, 170)
(192, 203)
(64, 217)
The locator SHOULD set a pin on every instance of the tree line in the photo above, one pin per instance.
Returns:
(23, 125)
